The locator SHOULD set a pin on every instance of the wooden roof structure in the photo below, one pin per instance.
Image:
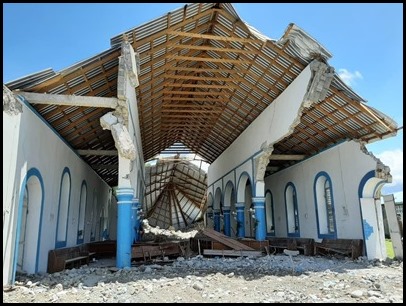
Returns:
(175, 194)
(204, 76)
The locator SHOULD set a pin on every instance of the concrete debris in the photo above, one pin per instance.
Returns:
(166, 232)
(291, 253)
(10, 104)
(122, 138)
(221, 280)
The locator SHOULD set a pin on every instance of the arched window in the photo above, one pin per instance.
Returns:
(292, 213)
(63, 210)
(324, 202)
(269, 214)
(82, 212)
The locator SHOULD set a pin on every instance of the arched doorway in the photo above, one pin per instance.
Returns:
(28, 231)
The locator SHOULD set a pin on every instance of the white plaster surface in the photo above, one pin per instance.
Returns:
(28, 142)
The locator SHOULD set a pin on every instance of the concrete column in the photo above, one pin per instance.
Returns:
(240, 219)
(227, 222)
(260, 229)
(216, 219)
(124, 202)
(135, 223)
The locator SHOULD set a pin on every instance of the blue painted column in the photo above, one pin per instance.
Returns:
(227, 221)
(240, 219)
(124, 233)
(260, 229)
(135, 224)
(216, 219)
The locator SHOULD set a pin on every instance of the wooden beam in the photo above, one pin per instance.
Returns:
(198, 85)
(200, 111)
(193, 106)
(107, 167)
(209, 48)
(193, 99)
(200, 78)
(215, 37)
(98, 152)
(208, 59)
(287, 157)
(70, 100)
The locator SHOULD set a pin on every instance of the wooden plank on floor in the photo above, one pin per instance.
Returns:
(238, 253)
(230, 242)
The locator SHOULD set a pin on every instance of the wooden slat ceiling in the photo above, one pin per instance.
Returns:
(205, 75)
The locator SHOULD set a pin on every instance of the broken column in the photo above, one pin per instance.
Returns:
(118, 122)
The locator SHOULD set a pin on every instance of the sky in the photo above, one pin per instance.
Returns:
(366, 41)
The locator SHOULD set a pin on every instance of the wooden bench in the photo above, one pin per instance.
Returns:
(67, 258)
(304, 245)
(346, 247)
(104, 249)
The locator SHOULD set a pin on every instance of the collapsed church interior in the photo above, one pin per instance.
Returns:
(194, 117)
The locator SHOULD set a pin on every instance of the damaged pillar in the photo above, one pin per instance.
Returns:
(122, 127)
(240, 220)
(124, 202)
(260, 225)
(227, 222)
(216, 219)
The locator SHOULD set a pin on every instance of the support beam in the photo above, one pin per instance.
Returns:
(70, 100)
(98, 152)
(105, 167)
(286, 157)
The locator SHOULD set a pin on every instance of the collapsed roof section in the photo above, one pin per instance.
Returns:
(204, 76)
(175, 194)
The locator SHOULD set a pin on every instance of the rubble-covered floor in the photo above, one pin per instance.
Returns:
(274, 278)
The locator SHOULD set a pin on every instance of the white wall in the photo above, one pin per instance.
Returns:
(270, 126)
(346, 165)
(29, 143)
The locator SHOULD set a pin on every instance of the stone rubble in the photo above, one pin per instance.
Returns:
(268, 279)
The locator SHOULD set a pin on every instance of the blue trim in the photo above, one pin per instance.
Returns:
(62, 243)
(256, 153)
(234, 169)
(249, 179)
(27, 103)
(216, 220)
(330, 235)
(273, 214)
(37, 173)
(240, 219)
(227, 222)
(80, 241)
(295, 209)
(260, 221)
(364, 180)
(229, 183)
(124, 233)
(215, 196)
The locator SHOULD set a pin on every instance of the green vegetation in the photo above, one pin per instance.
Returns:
(389, 249)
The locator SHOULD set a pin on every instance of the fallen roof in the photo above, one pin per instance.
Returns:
(175, 193)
